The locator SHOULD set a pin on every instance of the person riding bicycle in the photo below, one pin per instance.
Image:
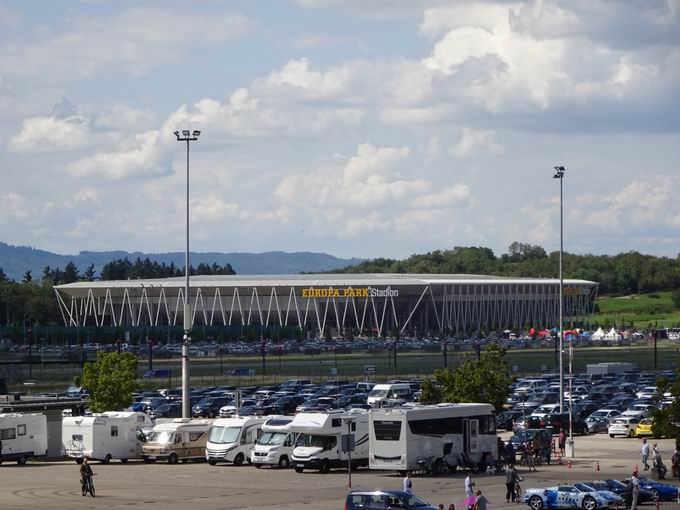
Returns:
(85, 475)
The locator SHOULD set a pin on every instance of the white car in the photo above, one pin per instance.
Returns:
(623, 426)
(606, 413)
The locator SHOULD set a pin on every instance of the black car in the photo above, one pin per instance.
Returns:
(287, 405)
(209, 407)
(619, 488)
(169, 410)
(559, 421)
(505, 419)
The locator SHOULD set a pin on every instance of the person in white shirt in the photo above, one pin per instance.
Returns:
(645, 454)
(636, 491)
(469, 492)
(408, 483)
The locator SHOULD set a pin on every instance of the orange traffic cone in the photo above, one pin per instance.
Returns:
(569, 464)
(598, 466)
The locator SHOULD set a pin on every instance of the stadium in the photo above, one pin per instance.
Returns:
(378, 304)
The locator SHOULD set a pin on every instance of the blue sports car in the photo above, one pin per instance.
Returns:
(570, 496)
(660, 491)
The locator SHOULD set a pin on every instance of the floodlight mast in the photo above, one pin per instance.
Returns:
(559, 174)
(187, 137)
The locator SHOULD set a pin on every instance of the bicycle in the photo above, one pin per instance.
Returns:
(88, 485)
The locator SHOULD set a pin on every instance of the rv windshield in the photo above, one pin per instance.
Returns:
(224, 435)
(323, 442)
(162, 437)
(272, 438)
(378, 393)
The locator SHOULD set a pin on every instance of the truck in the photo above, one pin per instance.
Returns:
(319, 445)
(104, 436)
(178, 439)
(275, 446)
(22, 436)
(432, 437)
(232, 439)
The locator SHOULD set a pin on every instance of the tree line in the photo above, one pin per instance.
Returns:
(622, 274)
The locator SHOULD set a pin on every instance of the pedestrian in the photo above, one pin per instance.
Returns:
(532, 452)
(658, 463)
(510, 453)
(510, 481)
(628, 494)
(562, 440)
(452, 506)
(675, 464)
(645, 453)
(635, 490)
(469, 492)
(441, 506)
(408, 483)
(480, 501)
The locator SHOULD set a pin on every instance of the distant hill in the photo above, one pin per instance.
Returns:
(16, 260)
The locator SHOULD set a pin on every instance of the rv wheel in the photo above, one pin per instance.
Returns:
(437, 467)
(284, 463)
(238, 460)
(124, 461)
(106, 459)
(78, 461)
(22, 460)
(325, 466)
(184, 461)
(258, 466)
(172, 459)
(146, 460)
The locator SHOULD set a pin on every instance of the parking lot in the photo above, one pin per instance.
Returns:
(200, 486)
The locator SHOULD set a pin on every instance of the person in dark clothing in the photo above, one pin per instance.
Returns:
(628, 494)
(510, 453)
(510, 481)
(85, 474)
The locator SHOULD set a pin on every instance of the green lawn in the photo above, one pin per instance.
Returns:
(639, 310)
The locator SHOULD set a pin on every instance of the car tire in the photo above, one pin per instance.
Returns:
(172, 458)
(258, 466)
(611, 435)
(589, 503)
(325, 467)
(238, 460)
(124, 461)
(22, 460)
(284, 463)
(106, 459)
(536, 503)
(631, 433)
(212, 462)
(655, 495)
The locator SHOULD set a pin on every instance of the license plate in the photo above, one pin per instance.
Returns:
(151, 457)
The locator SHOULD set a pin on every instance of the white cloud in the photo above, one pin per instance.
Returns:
(123, 117)
(296, 76)
(475, 141)
(44, 134)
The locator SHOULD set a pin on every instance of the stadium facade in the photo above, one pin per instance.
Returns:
(376, 303)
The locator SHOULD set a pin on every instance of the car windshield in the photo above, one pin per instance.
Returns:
(584, 488)
(224, 435)
(272, 438)
(323, 442)
(616, 483)
(161, 437)
(416, 502)
(378, 393)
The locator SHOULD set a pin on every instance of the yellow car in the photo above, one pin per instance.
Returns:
(644, 428)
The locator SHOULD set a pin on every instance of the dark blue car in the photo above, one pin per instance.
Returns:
(660, 491)
(359, 500)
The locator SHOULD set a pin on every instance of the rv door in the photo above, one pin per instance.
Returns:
(472, 434)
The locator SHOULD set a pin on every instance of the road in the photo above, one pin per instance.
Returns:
(55, 485)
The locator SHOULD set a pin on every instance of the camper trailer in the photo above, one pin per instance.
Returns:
(104, 436)
(22, 436)
(180, 439)
(319, 445)
(232, 439)
(407, 438)
(275, 446)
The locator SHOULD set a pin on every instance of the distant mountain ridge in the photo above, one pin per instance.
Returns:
(16, 260)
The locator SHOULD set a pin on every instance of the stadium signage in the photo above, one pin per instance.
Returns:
(348, 292)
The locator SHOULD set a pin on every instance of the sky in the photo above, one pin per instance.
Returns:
(359, 128)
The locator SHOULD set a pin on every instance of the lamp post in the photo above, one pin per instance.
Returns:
(559, 174)
(188, 137)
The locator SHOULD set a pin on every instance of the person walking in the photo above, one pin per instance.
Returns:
(408, 483)
(635, 491)
(675, 464)
(510, 453)
(532, 453)
(469, 492)
(628, 494)
(510, 481)
(480, 501)
(645, 453)
(562, 440)
(658, 463)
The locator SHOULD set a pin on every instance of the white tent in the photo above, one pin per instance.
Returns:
(612, 335)
(598, 335)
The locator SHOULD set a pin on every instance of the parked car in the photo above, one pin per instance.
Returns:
(541, 436)
(623, 426)
(169, 410)
(209, 407)
(619, 488)
(597, 424)
(360, 500)
(660, 491)
(567, 496)
(644, 428)
(561, 421)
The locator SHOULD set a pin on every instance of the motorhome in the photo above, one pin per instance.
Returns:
(22, 436)
(319, 443)
(394, 391)
(179, 439)
(232, 439)
(275, 446)
(104, 436)
(403, 438)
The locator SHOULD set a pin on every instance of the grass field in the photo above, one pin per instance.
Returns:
(639, 311)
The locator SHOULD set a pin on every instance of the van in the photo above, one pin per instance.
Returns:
(531, 384)
(22, 436)
(276, 444)
(382, 392)
(104, 436)
(179, 439)
(232, 439)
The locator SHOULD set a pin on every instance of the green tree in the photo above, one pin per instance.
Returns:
(675, 297)
(430, 393)
(90, 273)
(27, 277)
(667, 420)
(110, 380)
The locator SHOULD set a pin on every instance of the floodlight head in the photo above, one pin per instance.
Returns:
(176, 134)
(559, 172)
(186, 132)
(196, 133)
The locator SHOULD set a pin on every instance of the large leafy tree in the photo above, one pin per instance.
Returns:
(484, 380)
(667, 420)
(110, 380)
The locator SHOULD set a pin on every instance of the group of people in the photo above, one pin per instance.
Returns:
(657, 463)
(474, 500)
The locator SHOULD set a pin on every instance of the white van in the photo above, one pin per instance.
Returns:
(530, 384)
(22, 436)
(319, 444)
(545, 410)
(382, 392)
(104, 436)
(180, 439)
(276, 444)
(232, 439)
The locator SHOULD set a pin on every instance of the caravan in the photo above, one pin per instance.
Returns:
(275, 446)
(104, 436)
(22, 436)
(232, 439)
(319, 444)
(180, 439)
(402, 439)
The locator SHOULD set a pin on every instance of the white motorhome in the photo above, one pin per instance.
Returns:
(451, 434)
(275, 446)
(232, 439)
(319, 444)
(22, 436)
(179, 439)
(394, 391)
(104, 436)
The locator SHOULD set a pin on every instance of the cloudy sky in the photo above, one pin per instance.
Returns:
(354, 127)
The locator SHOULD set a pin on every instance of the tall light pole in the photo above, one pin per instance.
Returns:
(187, 137)
(559, 174)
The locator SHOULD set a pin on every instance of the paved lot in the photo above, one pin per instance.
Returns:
(55, 486)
